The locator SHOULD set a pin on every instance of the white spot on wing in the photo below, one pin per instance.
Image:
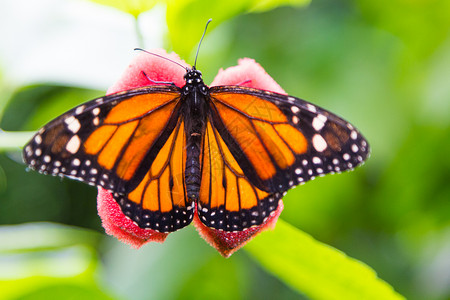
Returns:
(96, 111)
(319, 122)
(319, 143)
(311, 107)
(79, 109)
(38, 139)
(74, 144)
(69, 120)
(74, 126)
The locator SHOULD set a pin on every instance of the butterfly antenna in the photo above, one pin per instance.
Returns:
(160, 56)
(198, 48)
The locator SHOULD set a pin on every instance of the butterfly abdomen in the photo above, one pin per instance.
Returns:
(193, 172)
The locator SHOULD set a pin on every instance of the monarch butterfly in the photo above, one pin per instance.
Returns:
(230, 151)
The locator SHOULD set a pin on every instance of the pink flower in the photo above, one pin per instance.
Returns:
(247, 73)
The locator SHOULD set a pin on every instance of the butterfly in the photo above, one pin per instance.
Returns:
(160, 150)
(165, 152)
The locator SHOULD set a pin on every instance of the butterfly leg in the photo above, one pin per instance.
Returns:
(244, 82)
(157, 82)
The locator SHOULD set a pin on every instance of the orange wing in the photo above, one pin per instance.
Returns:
(258, 145)
(228, 200)
(122, 142)
(259, 136)
(159, 200)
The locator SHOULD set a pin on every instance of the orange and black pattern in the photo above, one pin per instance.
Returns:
(230, 150)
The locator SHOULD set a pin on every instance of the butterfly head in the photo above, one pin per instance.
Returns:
(193, 75)
(194, 82)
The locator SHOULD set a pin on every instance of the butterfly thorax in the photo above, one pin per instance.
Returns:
(194, 98)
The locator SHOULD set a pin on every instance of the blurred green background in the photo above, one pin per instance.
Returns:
(383, 65)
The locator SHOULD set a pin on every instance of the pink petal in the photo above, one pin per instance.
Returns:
(120, 226)
(229, 242)
(156, 68)
(251, 73)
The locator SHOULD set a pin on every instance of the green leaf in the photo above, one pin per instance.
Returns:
(315, 269)
(32, 106)
(6, 90)
(14, 140)
(186, 19)
(66, 291)
(49, 261)
(133, 7)
(265, 5)
(404, 19)
(42, 235)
